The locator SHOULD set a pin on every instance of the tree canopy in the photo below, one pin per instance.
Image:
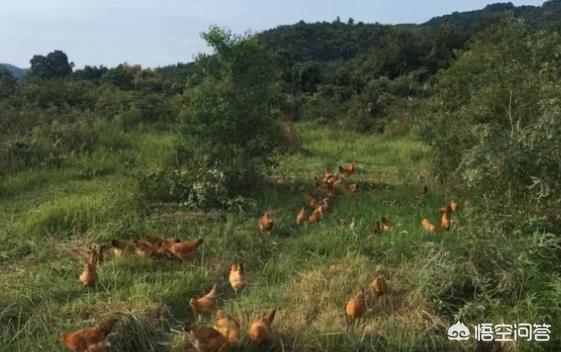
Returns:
(54, 65)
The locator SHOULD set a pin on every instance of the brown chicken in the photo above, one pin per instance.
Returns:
(266, 223)
(260, 329)
(301, 217)
(331, 181)
(121, 247)
(328, 177)
(379, 286)
(158, 247)
(237, 277)
(356, 306)
(423, 191)
(143, 249)
(207, 339)
(386, 224)
(316, 216)
(312, 202)
(207, 303)
(227, 326)
(445, 221)
(184, 250)
(89, 275)
(427, 225)
(347, 170)
(88, 339)
(352, 187)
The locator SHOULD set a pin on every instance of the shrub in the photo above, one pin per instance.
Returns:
(327, 104)
(196, 188)
(523, 166)
(494, 123)
(230, 121)
(368, 109)
(496, 84)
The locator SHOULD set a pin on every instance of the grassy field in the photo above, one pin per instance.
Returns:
(48, 217)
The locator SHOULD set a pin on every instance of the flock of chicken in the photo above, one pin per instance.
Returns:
(226, 331)
(356, 306)
(445, 216)
(327, 189)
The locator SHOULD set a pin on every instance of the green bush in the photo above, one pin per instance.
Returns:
(325, 105)
(196, 188)
(524, 166)
(493, 123)
(367, 110)
(230, 124)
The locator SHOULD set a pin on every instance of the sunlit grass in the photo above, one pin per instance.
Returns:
(307, 273)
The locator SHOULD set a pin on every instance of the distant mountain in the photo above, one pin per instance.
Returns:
(14, 70)
(546, 16)
(345, 40)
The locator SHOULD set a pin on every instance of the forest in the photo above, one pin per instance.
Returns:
(343, 186)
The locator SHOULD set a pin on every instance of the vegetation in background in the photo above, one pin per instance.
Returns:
(53, 65)
(498, 105)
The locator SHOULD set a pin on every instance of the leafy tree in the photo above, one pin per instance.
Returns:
(494, 120)
(447, 39)
(54, 65)
(367, 109)
(229, 119)
(400, 54)
(307, 76)
(122, 76)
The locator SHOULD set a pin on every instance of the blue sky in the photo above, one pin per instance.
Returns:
(159, 32)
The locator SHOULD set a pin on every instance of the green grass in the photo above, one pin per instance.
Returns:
(47, 217)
